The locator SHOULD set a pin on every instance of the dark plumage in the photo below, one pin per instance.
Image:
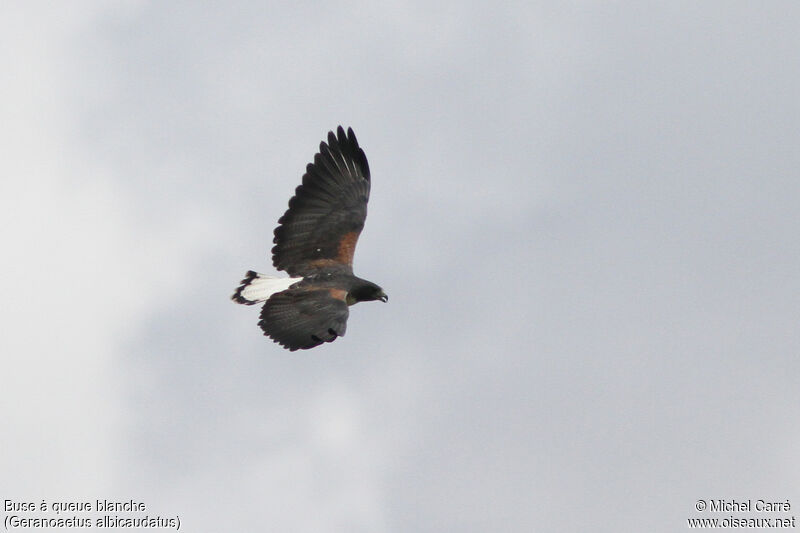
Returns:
(314, 243)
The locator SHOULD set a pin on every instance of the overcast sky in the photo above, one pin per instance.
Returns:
(585, 215)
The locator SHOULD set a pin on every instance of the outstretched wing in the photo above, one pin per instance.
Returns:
(302, 318)
(327, 213)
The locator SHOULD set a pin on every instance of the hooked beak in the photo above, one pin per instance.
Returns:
(384, 298)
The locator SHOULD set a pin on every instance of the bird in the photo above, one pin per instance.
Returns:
(315, 241)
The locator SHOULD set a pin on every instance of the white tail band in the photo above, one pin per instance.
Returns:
(256, 288)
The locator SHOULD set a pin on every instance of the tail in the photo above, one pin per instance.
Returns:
(256, 288)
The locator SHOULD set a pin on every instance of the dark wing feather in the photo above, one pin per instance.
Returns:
(302, 318)
(327, 213)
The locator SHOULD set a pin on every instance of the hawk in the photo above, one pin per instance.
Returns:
(314, 243)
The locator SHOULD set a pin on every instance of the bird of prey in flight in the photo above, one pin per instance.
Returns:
(314, 243)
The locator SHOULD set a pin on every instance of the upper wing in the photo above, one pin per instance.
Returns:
(305, 317)
(327, 212)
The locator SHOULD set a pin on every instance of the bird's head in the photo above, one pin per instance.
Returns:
(382, 296)
(368, 292)
(376, 293)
